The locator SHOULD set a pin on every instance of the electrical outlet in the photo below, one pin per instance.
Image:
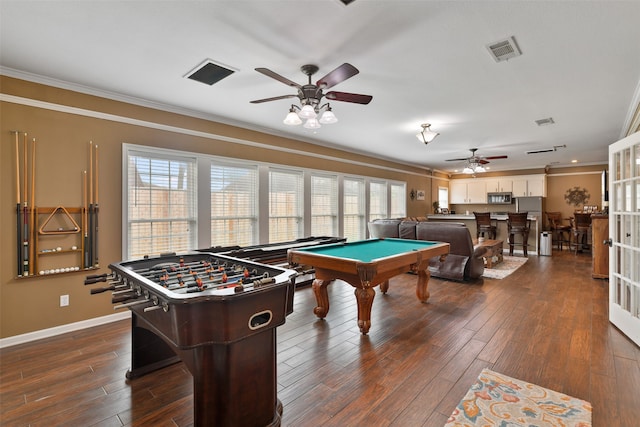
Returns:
(64, 300)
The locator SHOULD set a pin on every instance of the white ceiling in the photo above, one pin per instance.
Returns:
(423, 61)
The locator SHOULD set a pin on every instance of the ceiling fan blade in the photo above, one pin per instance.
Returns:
(482, 161)
(267, 72)
(496, 157)
(349, 97)
(275, 98)
(338, 75)
(457, 160)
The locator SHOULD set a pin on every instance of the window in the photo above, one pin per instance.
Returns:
(234, 198)
(176, 201)
(377, 200)
(354, 209)
(161, 205)
(398, 200)
(443, 197)
(324, 205)
(285, 205)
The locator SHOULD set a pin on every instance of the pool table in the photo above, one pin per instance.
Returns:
(365, 264)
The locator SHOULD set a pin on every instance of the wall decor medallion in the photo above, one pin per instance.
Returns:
(577, 196)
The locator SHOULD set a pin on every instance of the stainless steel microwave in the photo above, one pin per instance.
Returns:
(499, 198)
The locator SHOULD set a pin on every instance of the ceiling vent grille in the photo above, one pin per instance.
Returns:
(546, 150)
(504, 50)
(209, 72)
(544, 122)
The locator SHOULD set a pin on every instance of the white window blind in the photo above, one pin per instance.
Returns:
(286, 201)
(443, 197)
(377, 200)
(324, 205)
(398, 200)
(354, 209)
(234, 198)
(161, 206)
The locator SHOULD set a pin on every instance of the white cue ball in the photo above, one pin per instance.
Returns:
(41, 272)
(58, 249)
(73, 248)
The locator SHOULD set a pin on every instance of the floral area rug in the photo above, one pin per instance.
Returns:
(505, 268)
(499, 400)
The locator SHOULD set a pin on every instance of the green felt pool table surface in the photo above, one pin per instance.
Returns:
(369, 250)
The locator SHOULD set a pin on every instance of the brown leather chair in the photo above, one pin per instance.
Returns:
(484, 224)
(560, 233)
(518, 225)
(581, 229)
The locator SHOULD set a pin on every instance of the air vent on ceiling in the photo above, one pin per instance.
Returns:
(546, 150)
(209, 72)
(504, 50)
(544, 122)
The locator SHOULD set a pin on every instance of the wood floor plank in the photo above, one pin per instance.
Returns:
(547, 324)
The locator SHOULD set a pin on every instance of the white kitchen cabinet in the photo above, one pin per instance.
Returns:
(499, 185)
(529, 186)
(463, 191)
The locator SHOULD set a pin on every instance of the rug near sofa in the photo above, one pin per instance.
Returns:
(505, 268)
(498, 400)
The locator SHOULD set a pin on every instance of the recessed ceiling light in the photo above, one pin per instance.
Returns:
(574, 161)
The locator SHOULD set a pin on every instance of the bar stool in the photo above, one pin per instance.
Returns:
(581, 227)
(518, 224)
(484, 224)
(558, 229)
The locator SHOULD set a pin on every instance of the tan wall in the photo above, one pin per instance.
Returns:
(31, 304)
(560, 181)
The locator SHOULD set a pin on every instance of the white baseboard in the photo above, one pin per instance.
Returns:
(63, 329)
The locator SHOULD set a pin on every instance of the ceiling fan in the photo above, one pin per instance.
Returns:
(474, 163)
(310, 95)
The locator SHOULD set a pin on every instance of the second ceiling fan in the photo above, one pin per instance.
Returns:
(475, 163)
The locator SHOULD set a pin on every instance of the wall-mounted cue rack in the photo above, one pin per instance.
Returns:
(54, 240)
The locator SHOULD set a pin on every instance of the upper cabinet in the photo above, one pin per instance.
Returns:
(467, 191)
(475, 190)
(499, 185)
(529, 185)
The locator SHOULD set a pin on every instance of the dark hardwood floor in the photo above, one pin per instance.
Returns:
(547, 324)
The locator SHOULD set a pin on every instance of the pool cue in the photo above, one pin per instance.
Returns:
(25, 212)
(85, 241)
(18, 208)
(90, 201)
(32, 217)
(95, 219)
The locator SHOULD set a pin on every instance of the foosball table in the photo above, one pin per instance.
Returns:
(218, 315)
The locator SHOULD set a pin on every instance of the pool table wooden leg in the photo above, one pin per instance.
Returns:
(322, 297)
(364, 298)
(384, 286)
(423, 282)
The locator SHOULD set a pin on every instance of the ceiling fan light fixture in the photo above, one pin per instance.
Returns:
(467, 170)
(307, 112)
(427, 135)
(328, 117)
(292, 118)
(312, 123)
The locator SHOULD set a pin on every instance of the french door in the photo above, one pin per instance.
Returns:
(624, 226)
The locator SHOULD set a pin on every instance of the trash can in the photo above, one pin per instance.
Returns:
(545, 243)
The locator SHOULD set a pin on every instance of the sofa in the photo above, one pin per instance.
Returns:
(464, 262)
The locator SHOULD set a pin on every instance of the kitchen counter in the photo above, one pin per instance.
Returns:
(498, 217)
(501, 232)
